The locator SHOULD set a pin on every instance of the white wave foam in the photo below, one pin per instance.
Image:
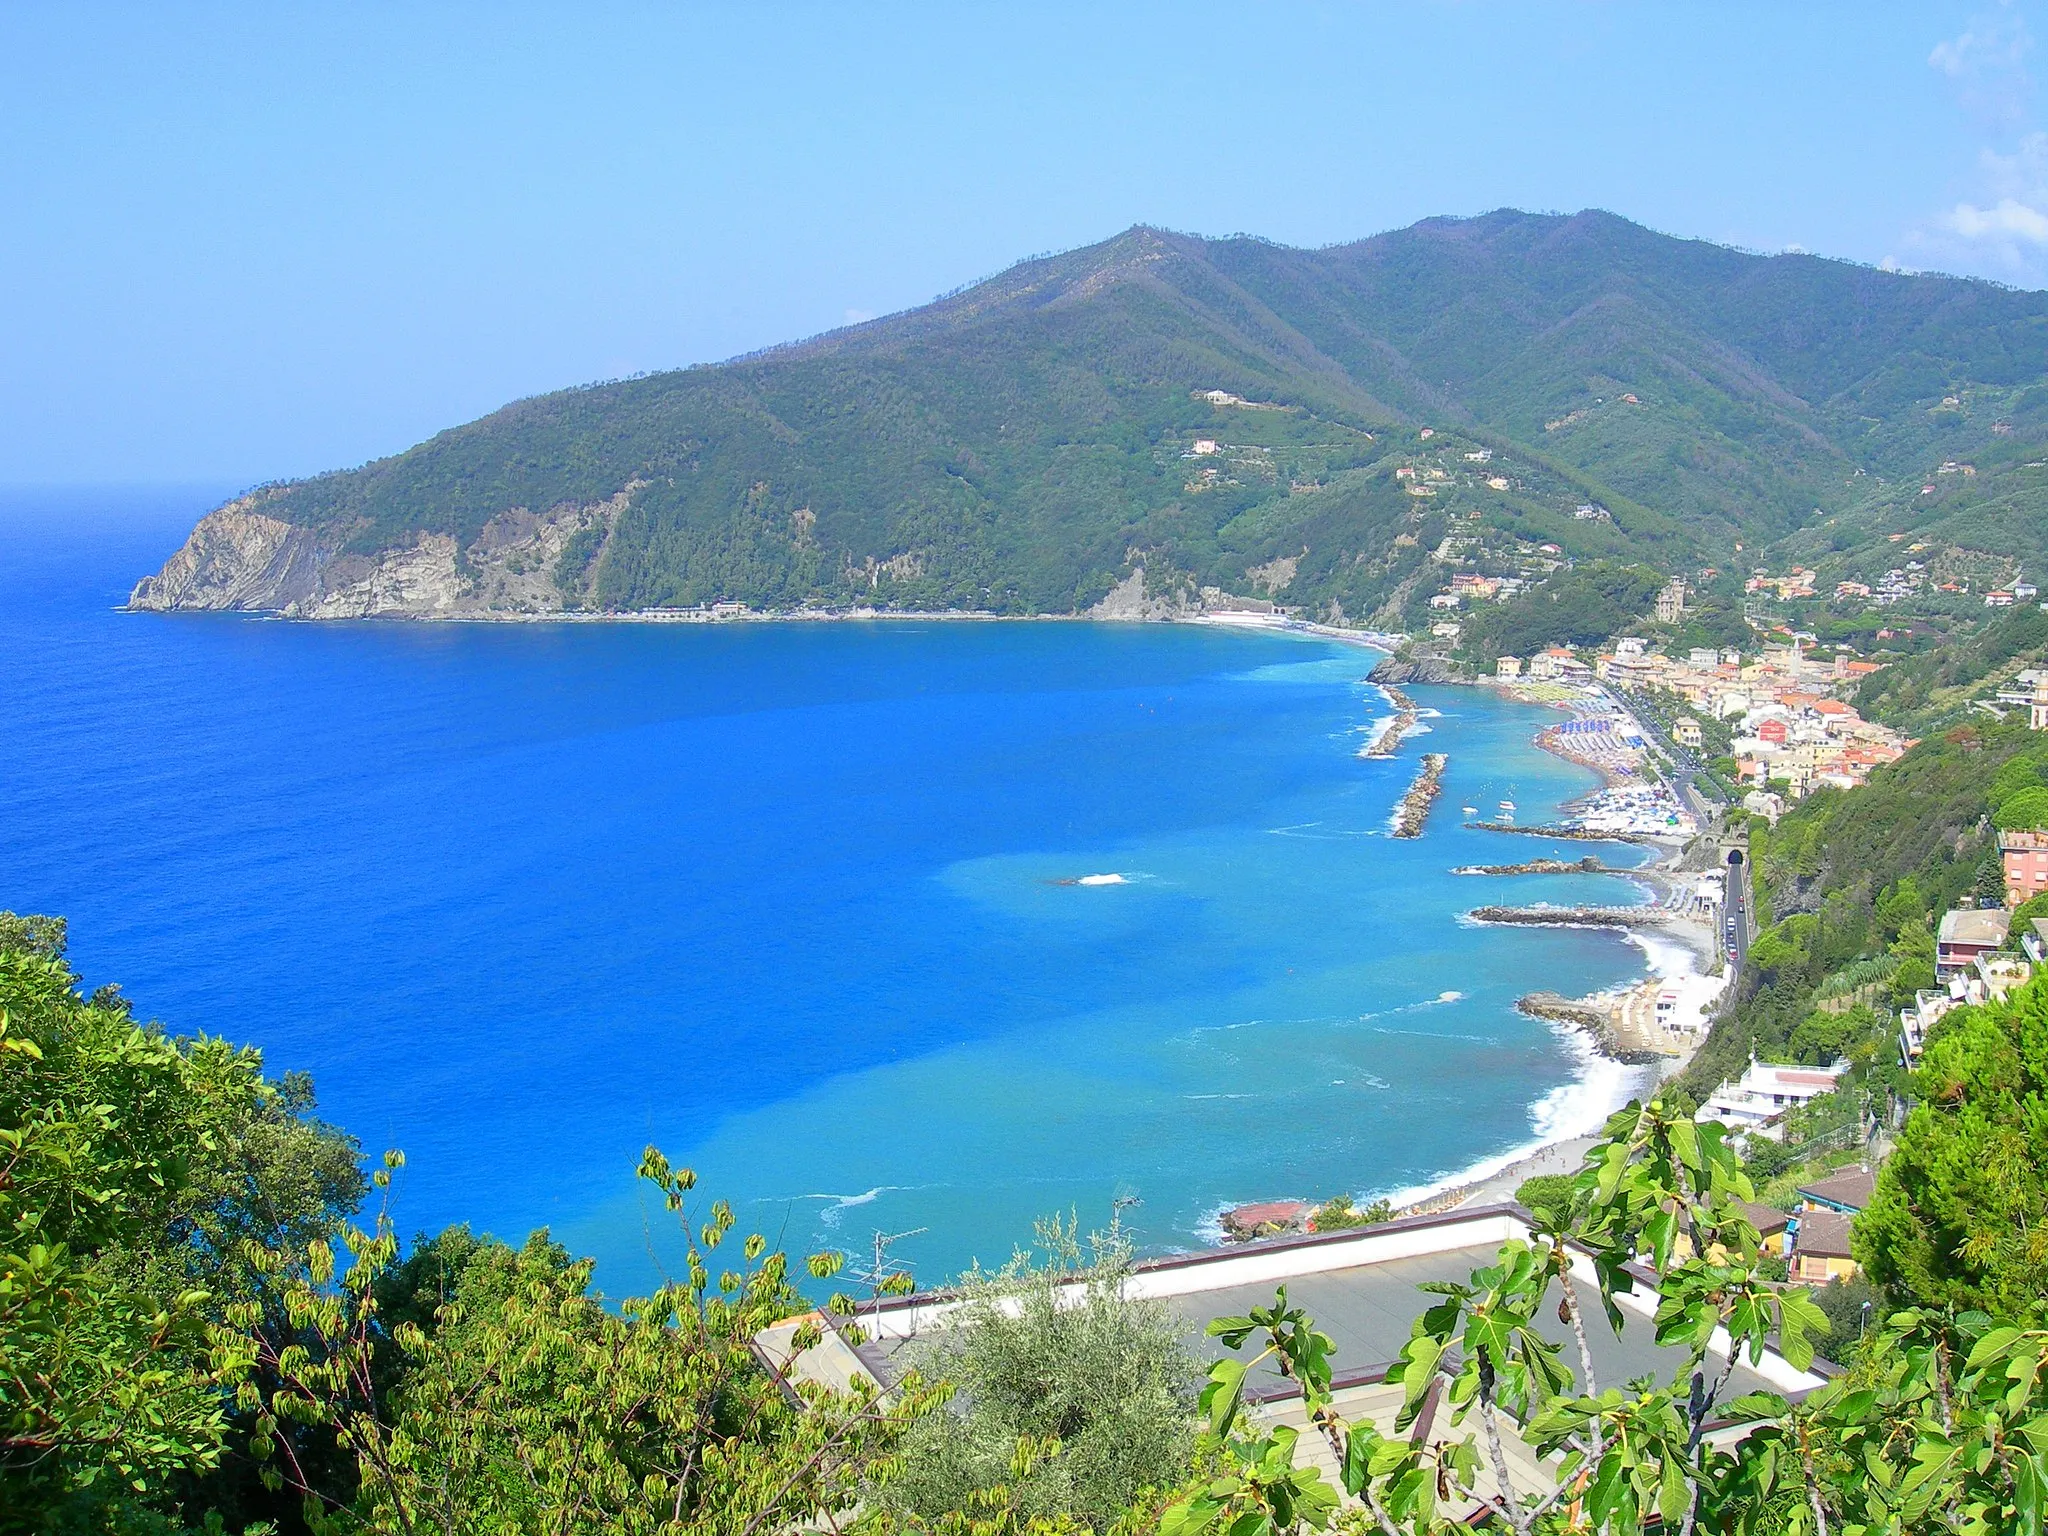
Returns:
(1576, 1108)
(838, 1205)
(1451, 996)
(1374, 731)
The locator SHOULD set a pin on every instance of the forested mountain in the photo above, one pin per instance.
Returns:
(1230, 413)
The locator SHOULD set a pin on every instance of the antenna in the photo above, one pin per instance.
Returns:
(884, 1268)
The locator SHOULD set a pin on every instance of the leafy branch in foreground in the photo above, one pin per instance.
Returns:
(531, 1406)
(1942, 1427)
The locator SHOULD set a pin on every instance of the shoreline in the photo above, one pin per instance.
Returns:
(1367, 639)
(1629, 1052)
(1603, 1086)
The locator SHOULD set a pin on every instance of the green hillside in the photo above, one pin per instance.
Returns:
(1023, 444)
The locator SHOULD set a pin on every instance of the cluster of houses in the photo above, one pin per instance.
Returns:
(1791, 726)
(1795, 583)
(1973, 960)
(1812, 1238)
(1894, 586)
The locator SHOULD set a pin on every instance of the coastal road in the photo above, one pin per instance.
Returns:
(1735, 916)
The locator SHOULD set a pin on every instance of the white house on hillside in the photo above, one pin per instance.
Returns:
(1766, 1091)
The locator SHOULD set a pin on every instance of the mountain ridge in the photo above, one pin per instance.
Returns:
(1029, 442)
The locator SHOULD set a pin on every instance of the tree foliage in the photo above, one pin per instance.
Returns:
(1960, 1217)
(529, 1406)
(134, 1170)
(1943, 1427)
(1075, 1399)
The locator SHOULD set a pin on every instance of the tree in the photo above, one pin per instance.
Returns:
(1900, 905)
(1548, 1195)
(2023, 917)
(529, 1405)
(1074, 1398)
(1340, 1213)
(1944, 1427)
(132, 1169)
(2024, 810)
(1960, 1216)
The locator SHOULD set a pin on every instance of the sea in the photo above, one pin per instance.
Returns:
(905, 935)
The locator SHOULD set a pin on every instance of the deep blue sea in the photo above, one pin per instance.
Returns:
(796, 902)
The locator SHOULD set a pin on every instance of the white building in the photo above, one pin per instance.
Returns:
(1766, 1091)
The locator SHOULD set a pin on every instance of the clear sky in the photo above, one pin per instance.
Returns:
(242, 242)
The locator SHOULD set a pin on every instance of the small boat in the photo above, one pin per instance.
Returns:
(1471, 810)
(1508, 806)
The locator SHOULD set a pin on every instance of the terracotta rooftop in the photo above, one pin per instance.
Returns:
(1822, 1235)
(1850, 1188)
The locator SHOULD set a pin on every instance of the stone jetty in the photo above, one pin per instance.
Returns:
(1402, 723)
(1574, 917)
(1413, 810)
(1589, 865)
(1568, 834)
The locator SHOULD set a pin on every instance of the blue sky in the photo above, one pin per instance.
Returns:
(246, 242)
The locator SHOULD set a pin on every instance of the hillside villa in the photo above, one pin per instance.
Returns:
(1759, 1098)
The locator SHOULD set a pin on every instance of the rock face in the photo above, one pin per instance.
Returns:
(240, 560)
(1415, 669)
(1129, 599)
(236, 559)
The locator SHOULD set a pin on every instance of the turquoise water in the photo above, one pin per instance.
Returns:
(799, 903)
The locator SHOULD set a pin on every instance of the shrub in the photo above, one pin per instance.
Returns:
(1338, 1214)
(1109, 1378)
(1548, 1194)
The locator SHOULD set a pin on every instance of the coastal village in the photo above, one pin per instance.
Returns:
(1782, 719)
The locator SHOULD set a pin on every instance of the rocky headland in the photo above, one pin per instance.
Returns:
(241, 559)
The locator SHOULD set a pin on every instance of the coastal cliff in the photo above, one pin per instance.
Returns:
(240, 559)
(1416, 669)
(237, 558)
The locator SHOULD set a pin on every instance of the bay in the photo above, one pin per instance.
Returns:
(817, 908)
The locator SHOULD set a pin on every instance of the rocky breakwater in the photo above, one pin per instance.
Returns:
(241, 559)
(1586, 866)
(1413, 809)
(1574, 917)
(1601, 1017)
(1564, 834)
(1390, 734)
